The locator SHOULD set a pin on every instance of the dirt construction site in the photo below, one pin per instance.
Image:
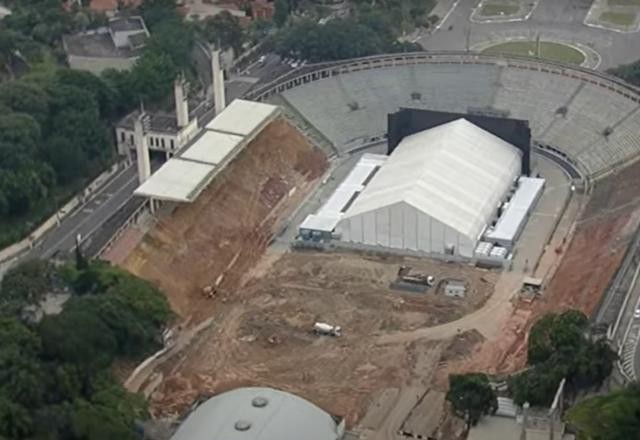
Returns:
(264, 335)
(255, 306)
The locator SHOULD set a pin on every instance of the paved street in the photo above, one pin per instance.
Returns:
(552, 19)
(88, 217)
(272, 67)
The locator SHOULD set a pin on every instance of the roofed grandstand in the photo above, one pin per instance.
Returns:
(588, 117)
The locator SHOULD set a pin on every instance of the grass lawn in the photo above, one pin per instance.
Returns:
(548, 50)
(623, 2)
(619, 18)
(492, 9)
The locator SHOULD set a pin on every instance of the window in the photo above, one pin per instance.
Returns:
(122, 136)
(162, 142)
(173, 146)
(152, 141)
(131, 139)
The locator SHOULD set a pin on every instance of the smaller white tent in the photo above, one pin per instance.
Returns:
(436, 193)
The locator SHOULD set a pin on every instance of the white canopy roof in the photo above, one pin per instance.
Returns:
(456, 173)
(241, 117)
(332, 211)
(257, 414)
(212, 147)
(521, 203)
(177, 180)
(182, 178)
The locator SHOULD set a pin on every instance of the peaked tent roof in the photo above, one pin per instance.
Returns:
(455, 173)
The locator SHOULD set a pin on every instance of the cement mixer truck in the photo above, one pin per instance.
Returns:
(322, 328)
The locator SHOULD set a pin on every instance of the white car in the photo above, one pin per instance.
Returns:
(636, 314)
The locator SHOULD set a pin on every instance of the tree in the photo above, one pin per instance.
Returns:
(156, 12)
(22, 188)
(133, 310)
(93, 422)
(79, 337)
(259, 30)
(281, 12)
(560, 346)
(54, 379)
(25, 97)
(21, 130)
(537, 385)
(173, 38)
(559, 335)
(103, 95)
(615, 416)
(338, 39)
(224, 29)
(471, 396)
(8, 47)
(628, 72)
(20, 377)
(25, 284)
(152, 76)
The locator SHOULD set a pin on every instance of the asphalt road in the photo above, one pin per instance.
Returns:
(256, 72)
(88, 217)
(551, 19)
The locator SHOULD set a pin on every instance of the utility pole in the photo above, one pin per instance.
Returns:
(468, 42)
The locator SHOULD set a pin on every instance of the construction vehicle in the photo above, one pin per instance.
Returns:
(322, 328)
(405, 275)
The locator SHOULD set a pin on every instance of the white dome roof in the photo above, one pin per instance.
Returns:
(258, 414)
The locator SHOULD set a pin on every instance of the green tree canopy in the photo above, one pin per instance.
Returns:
(471, 396)
(79, 337)
(25, 284)
(21, 130)
(224, 29)
(281, 12)
(152, 76)
(25, 97)
(560, 346)
(628, 72)
(338, 39)
(54, 376)
(615, 416)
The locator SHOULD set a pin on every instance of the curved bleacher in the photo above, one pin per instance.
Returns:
(593, 120)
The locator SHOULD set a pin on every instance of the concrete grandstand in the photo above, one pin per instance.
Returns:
(589, 118)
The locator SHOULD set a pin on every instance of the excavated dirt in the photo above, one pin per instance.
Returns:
(601, 238)
(220, 236)
(262, 334)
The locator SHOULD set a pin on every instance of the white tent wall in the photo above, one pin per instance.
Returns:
(403, 226)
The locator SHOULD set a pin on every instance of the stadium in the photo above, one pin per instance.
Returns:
(587, 118)
(234, 234)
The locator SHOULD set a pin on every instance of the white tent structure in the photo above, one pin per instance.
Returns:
(436, 193)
